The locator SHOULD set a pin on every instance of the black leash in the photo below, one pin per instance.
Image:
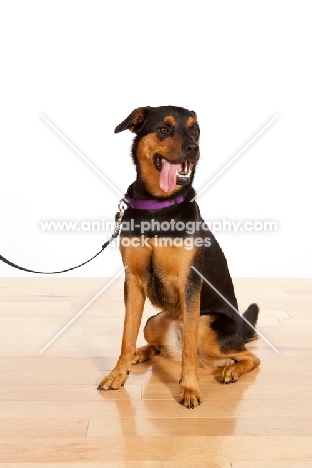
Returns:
(118, 219)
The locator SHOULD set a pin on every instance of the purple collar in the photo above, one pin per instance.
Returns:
(152, 204)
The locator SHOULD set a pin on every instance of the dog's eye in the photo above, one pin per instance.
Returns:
(163, 129)
(196, 131)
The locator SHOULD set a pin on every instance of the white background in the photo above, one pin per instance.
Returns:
(85, 65)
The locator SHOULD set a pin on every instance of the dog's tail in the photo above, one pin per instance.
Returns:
(251, 314)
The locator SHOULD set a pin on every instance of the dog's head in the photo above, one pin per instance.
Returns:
(166, 147)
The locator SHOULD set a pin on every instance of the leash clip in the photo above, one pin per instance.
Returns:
(122, 206)
(119, 215)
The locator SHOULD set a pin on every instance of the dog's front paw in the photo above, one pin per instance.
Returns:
(189, 397)
(114, 380)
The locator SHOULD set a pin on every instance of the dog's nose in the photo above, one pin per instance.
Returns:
(191, 148)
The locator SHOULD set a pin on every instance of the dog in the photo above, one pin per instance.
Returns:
(196, 325)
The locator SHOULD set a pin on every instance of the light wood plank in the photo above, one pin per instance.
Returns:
(17, 335)
(27, 306)
(302, 294)
(155, 427)
(86, 293)
(42, 362)
(83, 320)
(33, 298)
(62, 351)
(59, 392)
(284, 351)
(298, 323)
(268, 464)
(105, 302)
(257, 295)
(256, 391)
(298, 314)
(42, 428)
(273, 313)
(153, 409)
(69, 338)
(64, 280)
(23, 291)
(280, 338)
(267, 322)
(285, 331)
(298, 284)
(287, 303)
(42, 311)
(111, 464)
(177, 448)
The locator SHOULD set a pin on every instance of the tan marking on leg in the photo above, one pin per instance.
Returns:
(189, 388)
(137, 261)
(173, 264)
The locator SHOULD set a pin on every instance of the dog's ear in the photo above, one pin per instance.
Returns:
(194, 114)
(134, 121)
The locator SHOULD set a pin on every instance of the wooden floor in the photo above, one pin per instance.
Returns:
(52, 416)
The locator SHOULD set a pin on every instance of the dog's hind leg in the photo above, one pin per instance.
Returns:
(144, 354)
(245, 362)
(164, 336)
(234, 357)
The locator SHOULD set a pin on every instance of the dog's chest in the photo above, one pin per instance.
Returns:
(167, 277)
(162, 291)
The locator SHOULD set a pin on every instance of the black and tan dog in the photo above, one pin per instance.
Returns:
(195, 325)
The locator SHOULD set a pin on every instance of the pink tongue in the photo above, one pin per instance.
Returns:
(168, 176)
